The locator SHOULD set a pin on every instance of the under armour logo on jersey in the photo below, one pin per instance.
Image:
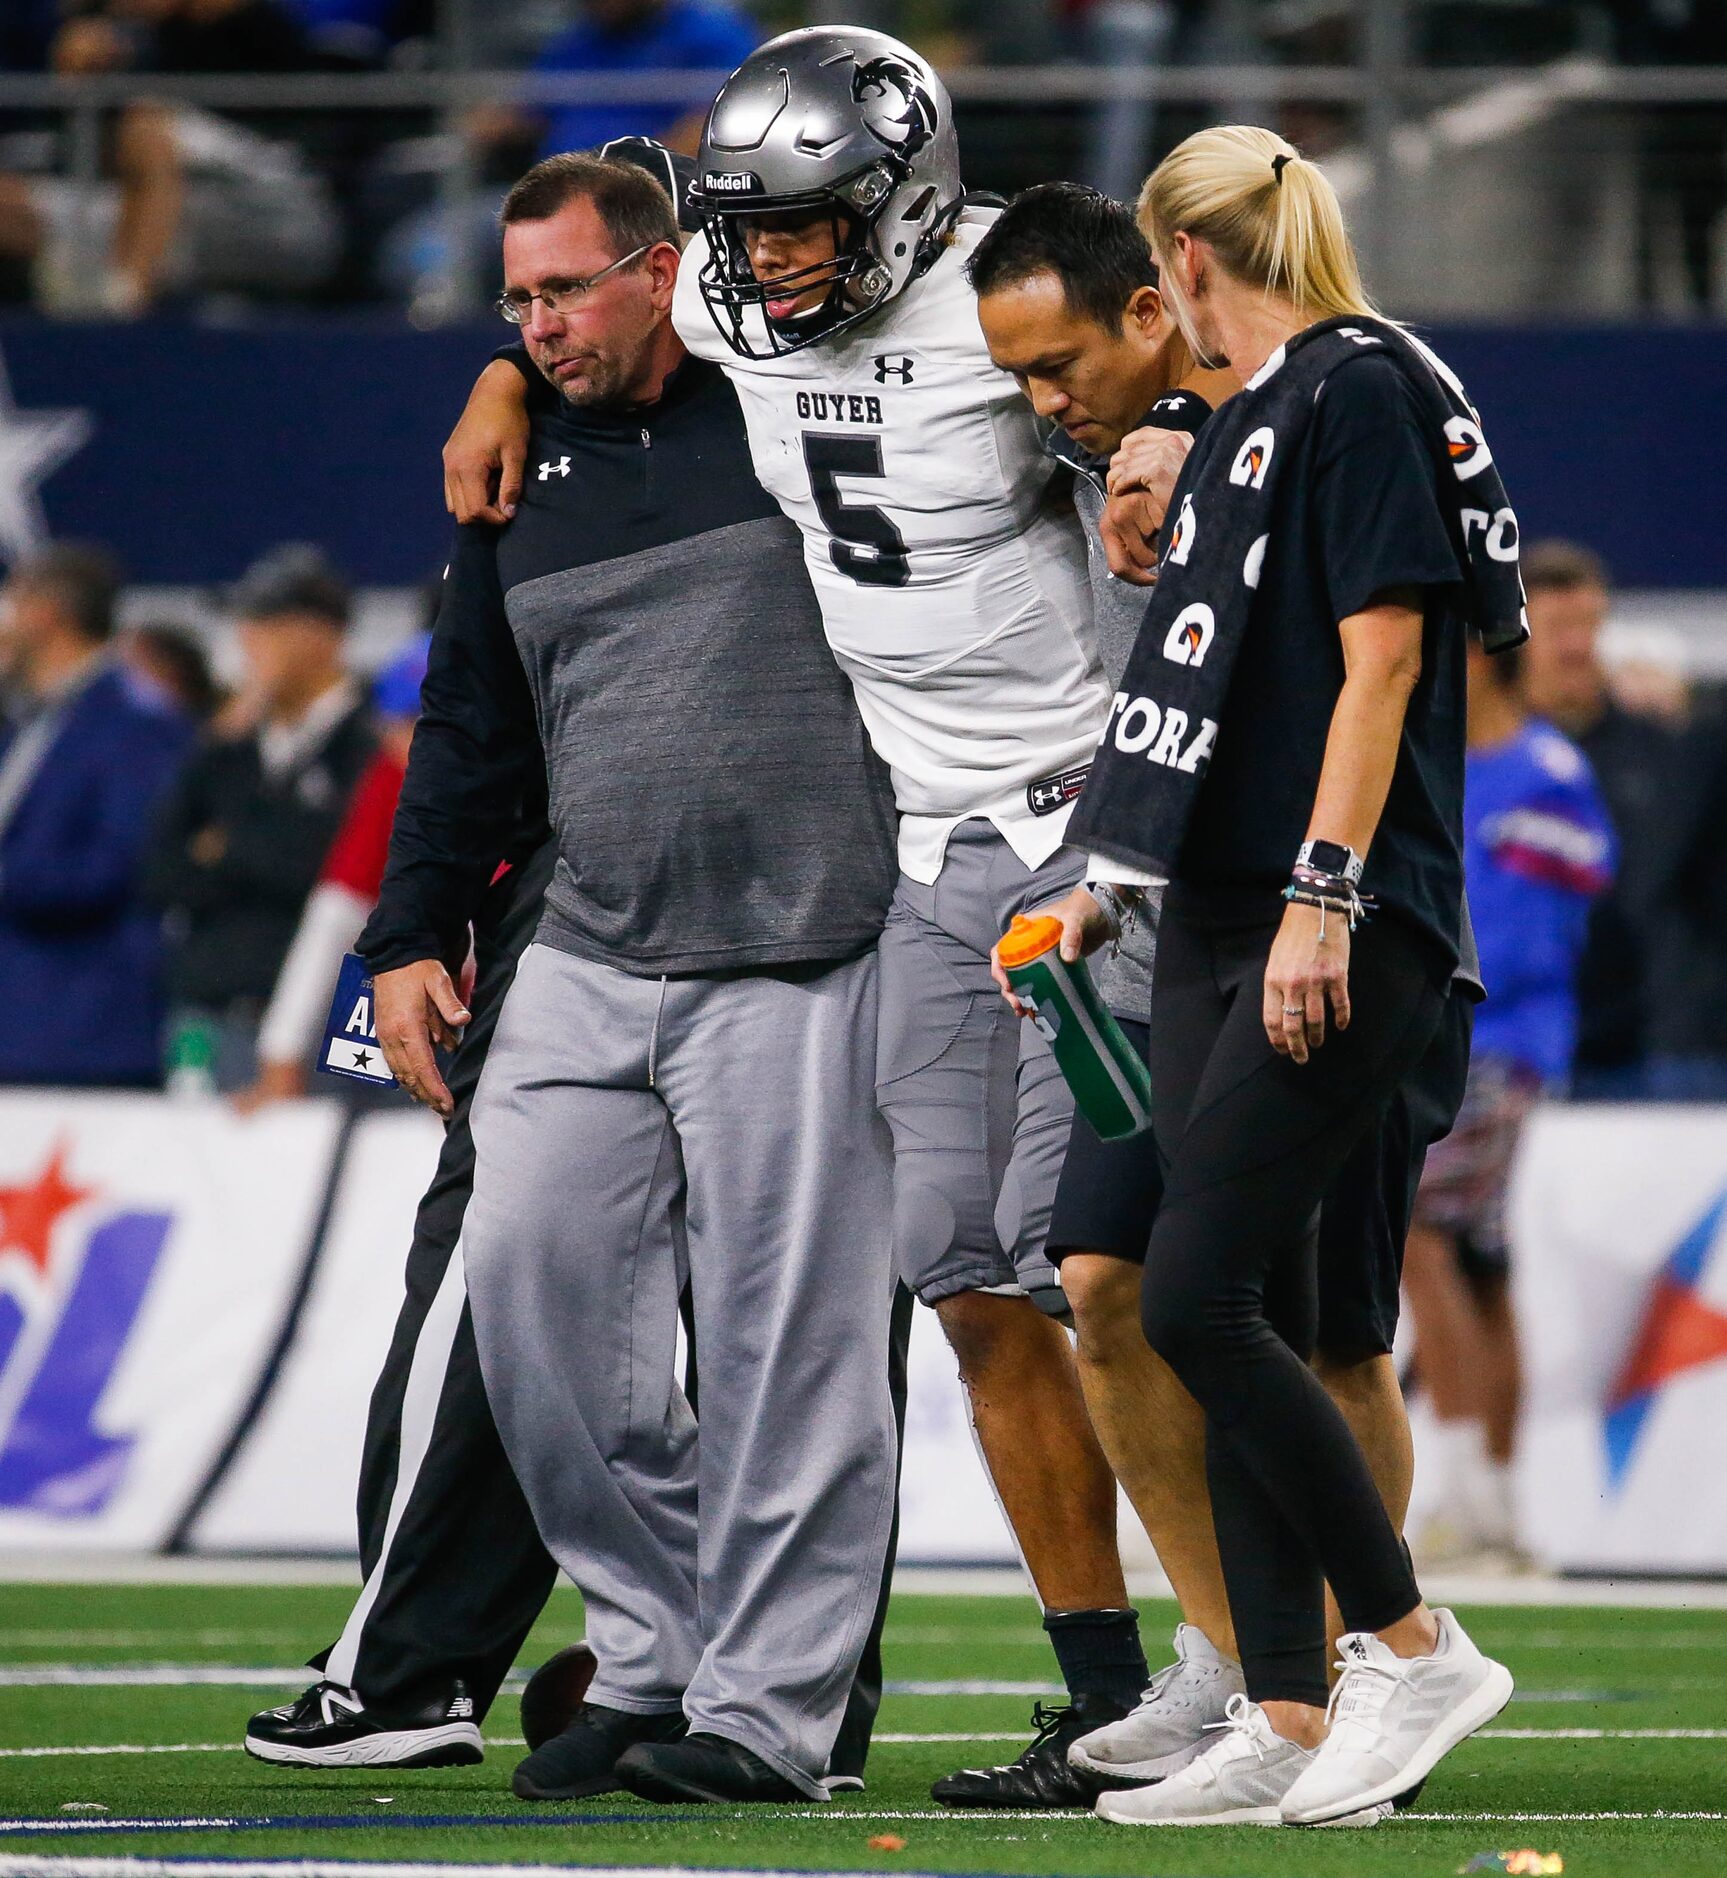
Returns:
(1050, 793)
(895, 365)
(559, 468)
(1253, 459)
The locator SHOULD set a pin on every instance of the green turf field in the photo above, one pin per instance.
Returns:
(1614, 1754)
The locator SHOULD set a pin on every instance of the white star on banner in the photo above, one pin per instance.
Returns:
(33, 445)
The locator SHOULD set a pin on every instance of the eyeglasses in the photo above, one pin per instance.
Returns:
(567, 295)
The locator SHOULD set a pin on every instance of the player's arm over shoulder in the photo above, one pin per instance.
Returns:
(691, 320)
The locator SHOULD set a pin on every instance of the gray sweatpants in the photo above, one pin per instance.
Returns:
(629, 1131)
(979, 1111)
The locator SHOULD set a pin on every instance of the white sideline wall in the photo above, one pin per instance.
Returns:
(157, 1379)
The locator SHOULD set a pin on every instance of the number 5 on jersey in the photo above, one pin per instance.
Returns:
(866, 546)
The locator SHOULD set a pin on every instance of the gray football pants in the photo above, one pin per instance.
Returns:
(629, 1131)
(979, 1111)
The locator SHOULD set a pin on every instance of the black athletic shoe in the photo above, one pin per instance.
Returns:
(702, 1767)
(555, 1691)
(331, 1727)
(583, 1759)
(1041, 1775)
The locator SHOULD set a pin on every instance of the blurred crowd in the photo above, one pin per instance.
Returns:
(176, 203)
(163, 839)
(182, 867)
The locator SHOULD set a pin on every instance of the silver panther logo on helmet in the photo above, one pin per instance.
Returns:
(894, 106)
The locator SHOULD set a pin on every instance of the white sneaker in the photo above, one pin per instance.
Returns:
(1238, 1778)
(1168, 1728)
(1393, 1719)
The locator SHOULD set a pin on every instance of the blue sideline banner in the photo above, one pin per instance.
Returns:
(192, 449)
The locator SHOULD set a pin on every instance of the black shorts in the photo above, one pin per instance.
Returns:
(1365, 1219)
(1110, 1190)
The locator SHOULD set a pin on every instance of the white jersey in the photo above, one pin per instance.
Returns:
(952, 579)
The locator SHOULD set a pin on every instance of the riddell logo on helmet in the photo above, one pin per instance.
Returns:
(731, 183)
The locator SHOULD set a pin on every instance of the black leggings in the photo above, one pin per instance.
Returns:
(1250, 1142)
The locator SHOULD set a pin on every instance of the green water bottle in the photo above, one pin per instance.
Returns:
(192, 1056)
(1106, 1074)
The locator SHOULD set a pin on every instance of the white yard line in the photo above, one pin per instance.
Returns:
(140, 1639)
(150, 1676)
(884, 1739)
(837, 1815)
(13, 1866)
(123, 1568)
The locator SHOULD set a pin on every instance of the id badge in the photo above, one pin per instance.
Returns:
(351, 1035)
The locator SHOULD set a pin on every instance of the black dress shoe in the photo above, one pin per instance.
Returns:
(331, 1727)
(554, 1693)
(583, 1759)
(702, 1767)
(1041, 1777)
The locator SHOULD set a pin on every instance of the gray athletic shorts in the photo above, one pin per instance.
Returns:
(978, 1109)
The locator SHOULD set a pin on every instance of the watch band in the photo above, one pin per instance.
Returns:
(1331, 857)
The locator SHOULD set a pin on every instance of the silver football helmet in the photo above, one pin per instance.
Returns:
(832, 118)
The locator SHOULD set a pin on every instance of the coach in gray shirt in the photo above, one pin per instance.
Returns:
(681, 1086)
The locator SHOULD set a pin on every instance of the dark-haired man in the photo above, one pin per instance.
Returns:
(84, 762)
(1068, 299)
(680, 1081)
(1639, 764)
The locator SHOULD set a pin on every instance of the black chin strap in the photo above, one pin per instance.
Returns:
(935, 238)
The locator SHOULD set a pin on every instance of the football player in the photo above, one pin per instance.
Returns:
(829, 281)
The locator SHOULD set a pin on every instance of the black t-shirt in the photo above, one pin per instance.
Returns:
(1357, 511)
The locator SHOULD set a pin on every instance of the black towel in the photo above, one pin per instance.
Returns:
(1137, 802)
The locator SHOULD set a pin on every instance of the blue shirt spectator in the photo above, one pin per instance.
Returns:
(1537, 851)
(642, 36)
(81, 775)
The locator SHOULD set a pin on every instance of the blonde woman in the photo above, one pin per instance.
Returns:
(1286, 749)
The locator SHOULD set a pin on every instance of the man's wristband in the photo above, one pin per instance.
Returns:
(1119, 904)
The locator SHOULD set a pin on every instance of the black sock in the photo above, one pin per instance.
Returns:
(1099, 1653)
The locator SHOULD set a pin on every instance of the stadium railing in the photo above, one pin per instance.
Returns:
(1492, 190)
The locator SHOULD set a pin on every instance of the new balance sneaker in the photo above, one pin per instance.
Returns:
(1042, 1775)
(583, 1759)
(1168, 1728)
(1239, 1778)
(1393, 1719)
(331, 1727)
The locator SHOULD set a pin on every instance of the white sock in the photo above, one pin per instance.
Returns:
(1456, 1451)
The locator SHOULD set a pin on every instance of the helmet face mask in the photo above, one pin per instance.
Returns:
(831, 121)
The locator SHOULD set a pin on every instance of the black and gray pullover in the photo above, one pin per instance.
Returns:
(647, 623)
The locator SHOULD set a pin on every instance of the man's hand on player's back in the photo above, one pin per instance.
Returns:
(418, 1011)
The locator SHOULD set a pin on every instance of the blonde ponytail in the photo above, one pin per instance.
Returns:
(1271, 217)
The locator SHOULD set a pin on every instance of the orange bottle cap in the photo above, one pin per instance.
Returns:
(1028, 939)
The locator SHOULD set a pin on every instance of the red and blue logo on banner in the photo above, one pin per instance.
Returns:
(73, 1275)
(1681, 1331)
